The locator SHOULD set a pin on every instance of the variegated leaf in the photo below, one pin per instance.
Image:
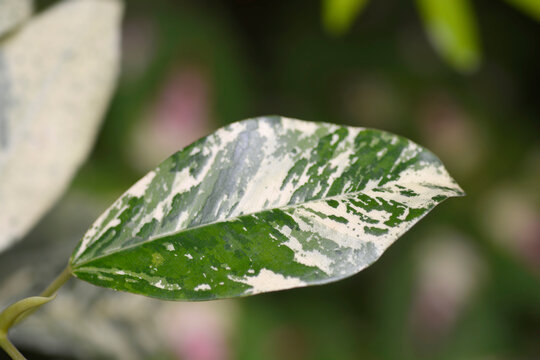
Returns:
(13, 12)
(261, 205)
(56, 77)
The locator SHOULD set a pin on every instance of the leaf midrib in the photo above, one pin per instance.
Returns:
(227, 220)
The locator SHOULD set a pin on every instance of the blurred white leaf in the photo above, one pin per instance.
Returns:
(12, 12)
(56, 77)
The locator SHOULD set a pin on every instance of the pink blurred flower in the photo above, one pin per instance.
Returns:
(449, 272)
(200, 331)
(179, 116)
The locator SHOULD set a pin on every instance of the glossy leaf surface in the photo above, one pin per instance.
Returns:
(264, 204)
(57, 73)
(451, 27)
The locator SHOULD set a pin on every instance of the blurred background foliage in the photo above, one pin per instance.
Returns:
(463, 284)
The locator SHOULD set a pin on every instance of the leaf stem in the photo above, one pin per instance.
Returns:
(18, 311)
(60, 280)
(10, 349)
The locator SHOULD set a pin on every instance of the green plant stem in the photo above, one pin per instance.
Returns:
(10, 349)
(60, 280)
(15, 313)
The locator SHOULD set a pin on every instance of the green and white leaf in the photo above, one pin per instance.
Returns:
(13, 12)
(57, 74)
(451, 27)
(263, 204)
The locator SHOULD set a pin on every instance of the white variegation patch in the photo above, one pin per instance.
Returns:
(140, 186)
(267, 280)
(307, 257)
(130, 276)
(202, 287)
